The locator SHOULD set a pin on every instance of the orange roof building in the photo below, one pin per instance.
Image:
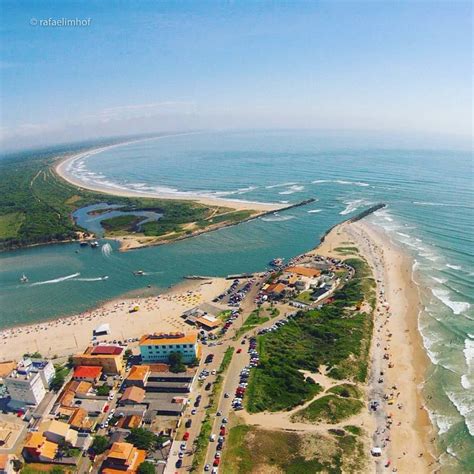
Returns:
(38, 448)
(158, 347)
(123, 457)
(86, 373)
(108, 357)
(276, 289)
(304, 271)
(132, 395)
(129, 422)
(138, 375)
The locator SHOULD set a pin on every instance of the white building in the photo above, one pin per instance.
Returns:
(28, 383)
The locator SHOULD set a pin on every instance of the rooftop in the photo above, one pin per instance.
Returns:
(107, 350)
(168, 338)
(304, 271)
(87, 372)
(138, 372)
(134, 394)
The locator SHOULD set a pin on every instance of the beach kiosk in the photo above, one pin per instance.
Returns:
(102, 330)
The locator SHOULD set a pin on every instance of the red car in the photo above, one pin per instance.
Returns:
(186, 436)
(222, 431)
(239, 350)
(216, 462)
(106, 408)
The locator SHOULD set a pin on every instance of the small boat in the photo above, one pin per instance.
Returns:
(83, 244)
(105, 277)
(276, 262)
(94, 244)
(24, 278)
(139, 273)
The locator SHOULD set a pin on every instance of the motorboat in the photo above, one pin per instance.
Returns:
(276, 262)
(94, 244)
(139, 273)
(24, 279)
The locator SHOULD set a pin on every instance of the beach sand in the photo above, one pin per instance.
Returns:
(68, 335)
(408, 434)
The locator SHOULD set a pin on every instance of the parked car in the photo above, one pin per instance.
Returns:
(188, 423)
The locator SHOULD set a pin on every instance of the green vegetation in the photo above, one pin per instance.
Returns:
(33, 355)
(254, 450)
(142, 438)
(355, 430)
(337, 335)
(202, 442)
(100, 444)
(36, 205)
(226, 360)
(347, 250)
(175, 360)
(121, 224)
(59, 378)
(305, 297)
(146, 468)
(103, 390)
(346, 390)
(329, 408)
(253, 320)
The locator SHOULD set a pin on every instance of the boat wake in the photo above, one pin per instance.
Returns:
(56, 280)
(106, 249)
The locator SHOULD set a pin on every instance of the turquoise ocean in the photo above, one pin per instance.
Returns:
(429, 196)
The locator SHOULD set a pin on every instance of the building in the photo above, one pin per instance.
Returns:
(138, 376)
(58, 432)
(132, 395)
(38, 448)
(110, 358)
(28, 383)
(158, 347)
(304, 271)
(123, 457)
(86, 373)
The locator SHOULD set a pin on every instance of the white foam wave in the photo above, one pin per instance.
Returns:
(106, 249)
(443, 295)
(469, 352)
(352, 206)
(465, 382)
(277, 218)
(314, 211)
(56, 280)
(341, 181)
(92, 279)
(292, 189)
(280, 185)
(439, 280)
(443, 422)
(454, 267)
(464, 403)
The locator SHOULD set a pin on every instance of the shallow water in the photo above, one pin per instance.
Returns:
(429, 196)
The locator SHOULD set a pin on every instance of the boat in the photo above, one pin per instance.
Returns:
(94, 244)
(105, 277)
(276, 262)
(24, 278)
(83, 243)
(139, 273)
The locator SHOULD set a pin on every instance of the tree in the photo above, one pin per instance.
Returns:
(146, 468)
(142, 438)
(128, 354)
(175, 359)
(103, 390)
(100, 444)
(58, 381)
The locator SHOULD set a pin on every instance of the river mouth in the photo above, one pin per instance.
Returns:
(92, 217)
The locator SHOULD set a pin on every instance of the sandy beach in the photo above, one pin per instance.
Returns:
(402, 428)
(62, 169)
(68, 335)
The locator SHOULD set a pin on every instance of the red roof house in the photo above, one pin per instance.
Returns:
(89, 373)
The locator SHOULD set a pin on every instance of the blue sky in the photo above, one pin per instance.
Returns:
(144, 66)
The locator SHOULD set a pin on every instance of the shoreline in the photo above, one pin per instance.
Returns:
(60, 169)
